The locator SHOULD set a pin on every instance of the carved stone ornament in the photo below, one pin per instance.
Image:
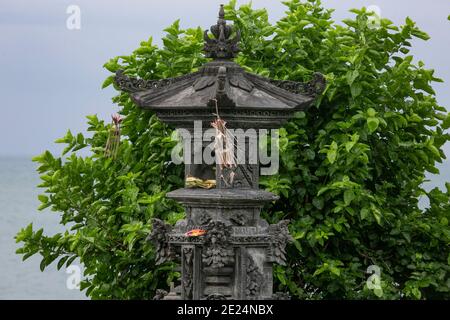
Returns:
(254, 279)
(187, 272)
(280, 237)
(238, 218)
(312, 88)
(160, 294)
(131, 85)
(222, 46)
(216, 296)
(160, 239)
(217, 253)
(204, 218)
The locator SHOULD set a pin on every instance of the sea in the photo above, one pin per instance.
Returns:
(18, 207)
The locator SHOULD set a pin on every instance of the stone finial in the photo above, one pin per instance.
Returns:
(221, 46)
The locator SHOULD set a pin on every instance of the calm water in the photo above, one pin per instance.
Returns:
(18, 203)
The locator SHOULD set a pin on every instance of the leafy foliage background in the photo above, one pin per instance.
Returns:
(352, 167)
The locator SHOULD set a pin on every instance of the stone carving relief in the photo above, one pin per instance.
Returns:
(280, 237)
(203, 218)
(160, 239)
(216, 251)
(187, 272)
(254, 278)
(238, 218)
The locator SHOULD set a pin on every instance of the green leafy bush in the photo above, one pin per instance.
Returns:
(352, 167)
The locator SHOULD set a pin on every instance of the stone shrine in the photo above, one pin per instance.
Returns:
(225, 249)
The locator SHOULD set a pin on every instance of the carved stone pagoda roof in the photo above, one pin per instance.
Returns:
(242, 99)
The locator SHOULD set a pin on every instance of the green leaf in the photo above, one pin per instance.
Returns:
(62, 261)
(299, 115)
(42, 265)
(415, 118)
(70, 261)
(371, 112)
(446, 122)
(297, 245)
(378, 292)
(355, 89)
(364, 213)
(108, 81)
(410, 22)
(376, 214)
(318, 202)
(335, 271)
(372, 124)
(354, 139)
(43, 198)
(349, 196)
(351, 76)
(112, 65)
(434, 150)
(420, 34)
(416, 293)
(332, 152)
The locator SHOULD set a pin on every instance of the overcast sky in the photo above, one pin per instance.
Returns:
(51, 76)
